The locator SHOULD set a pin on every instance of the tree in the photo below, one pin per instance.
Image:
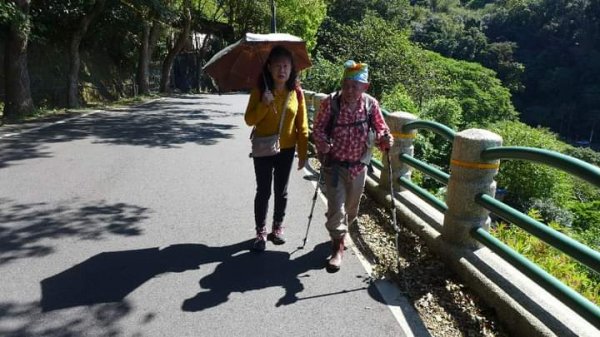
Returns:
(15, 20)
(149, 12)
(75, 57)
(150, 31)
(480, 93)
(301, 18)
(184, 33)
(373, 41)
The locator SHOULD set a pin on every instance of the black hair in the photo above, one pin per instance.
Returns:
(278, 52)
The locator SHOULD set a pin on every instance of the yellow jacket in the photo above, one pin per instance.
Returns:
(295, 126)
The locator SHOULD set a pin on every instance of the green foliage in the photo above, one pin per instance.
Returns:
(8, 12)
(399, 100)
(301, 18)
(559, 45)
(324, 76)
(12, 15)
(558, 264)
(587, 215)
(584, 153)
(526, 180)
(443, 110)
(430, 147)
(550, 212)
(481, 95)
(373, 41)
(457, 32)
(396, 12)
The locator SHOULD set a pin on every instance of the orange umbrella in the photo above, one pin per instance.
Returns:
(238, 66)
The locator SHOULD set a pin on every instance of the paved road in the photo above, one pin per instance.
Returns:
(137, 222)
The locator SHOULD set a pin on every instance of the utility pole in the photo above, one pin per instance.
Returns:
(273, 22)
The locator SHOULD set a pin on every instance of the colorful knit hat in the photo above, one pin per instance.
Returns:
(356, 71)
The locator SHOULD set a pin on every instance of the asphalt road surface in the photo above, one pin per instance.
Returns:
(138, 222)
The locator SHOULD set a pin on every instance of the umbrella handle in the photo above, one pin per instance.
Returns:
(265, 80)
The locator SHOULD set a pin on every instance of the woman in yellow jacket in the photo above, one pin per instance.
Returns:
(264, 110)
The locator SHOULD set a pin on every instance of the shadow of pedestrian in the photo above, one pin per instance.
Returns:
(252, 271)
(111, 276)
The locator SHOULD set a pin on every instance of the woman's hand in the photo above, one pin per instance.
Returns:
(267, 97)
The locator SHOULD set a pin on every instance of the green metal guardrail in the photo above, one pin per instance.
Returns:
(422, 166)
(570, 297)
(421, 192)
(563, 162)
(416, 189)
(573, 248)
(436, 127)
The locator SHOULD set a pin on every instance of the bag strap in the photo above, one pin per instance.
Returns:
(283, 112)
(287, 100)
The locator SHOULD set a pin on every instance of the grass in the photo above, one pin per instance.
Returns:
(564, 268)
(42, 113)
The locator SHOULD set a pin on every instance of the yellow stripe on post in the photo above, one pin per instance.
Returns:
(400, 135)
(471, 165)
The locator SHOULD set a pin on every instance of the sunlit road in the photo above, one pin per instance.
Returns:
(137, 222)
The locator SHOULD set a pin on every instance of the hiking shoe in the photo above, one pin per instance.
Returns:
(260, 242)
(276, 235)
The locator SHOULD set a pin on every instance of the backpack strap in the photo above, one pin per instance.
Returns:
(368, 105)
(333, 114)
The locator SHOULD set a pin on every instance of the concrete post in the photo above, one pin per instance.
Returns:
(403, 143)
(469, 176)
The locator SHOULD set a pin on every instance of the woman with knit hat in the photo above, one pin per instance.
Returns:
(349, 122)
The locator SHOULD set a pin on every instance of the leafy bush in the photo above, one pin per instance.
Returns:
(429, 146)
(558, 264)
(586, 215)
(324, 76)
(372, 40)
(550, 212)
(527, 180)
(399, 100)
(479, 92)
(584, 153)
(444, 110)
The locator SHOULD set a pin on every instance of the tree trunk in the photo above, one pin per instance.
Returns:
(144, 61)
(165, 77)
(75, 58)
(154, 35)
(18, 102)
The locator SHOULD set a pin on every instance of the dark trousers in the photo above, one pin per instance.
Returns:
(274, 169)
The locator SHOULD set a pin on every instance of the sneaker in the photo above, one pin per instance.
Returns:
(260, 242)
(276, 235)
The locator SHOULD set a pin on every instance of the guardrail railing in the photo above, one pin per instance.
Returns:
(474, 203)
(582, 253)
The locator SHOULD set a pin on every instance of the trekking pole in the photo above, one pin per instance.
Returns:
(392, 198)
(312, 208)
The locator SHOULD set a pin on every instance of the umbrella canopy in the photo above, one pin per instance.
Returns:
(238, 66)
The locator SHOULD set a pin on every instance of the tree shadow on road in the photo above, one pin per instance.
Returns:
(253, 271)
(111, 276)
(161, 124)
(25, 228)
(25, 320)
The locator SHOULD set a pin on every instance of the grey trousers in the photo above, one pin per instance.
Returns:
(343, 199)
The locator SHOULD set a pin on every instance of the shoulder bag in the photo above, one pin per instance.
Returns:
(268, 145)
